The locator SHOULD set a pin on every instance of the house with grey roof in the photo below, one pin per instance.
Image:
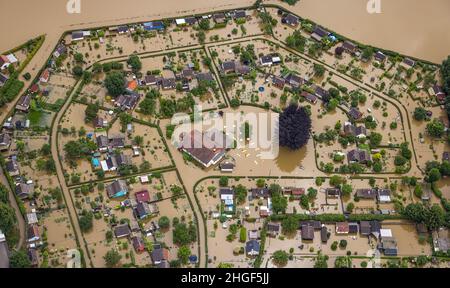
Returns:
(5, 141)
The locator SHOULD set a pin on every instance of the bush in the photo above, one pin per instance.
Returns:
(280, 258)
(164, 222)
(27, 76)
(334, 246)
(223, 181)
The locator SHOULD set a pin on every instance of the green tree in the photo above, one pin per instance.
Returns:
(279, 202)
(7, 218)
(204, 24)
(184, 235)
(183, 254)
(336, 180)
(289, 225)
(321, 261)
(77, 71)
(418, 191)
(87, 77)
(91, 112)
(433, 175)
(86, 221)
(78, 57)
(332, 104)
(347, 190)
(435, 217)
(304, 202)
(375, 139)
(112, 258)
(223, 181)
(367, 53)
(97, 68)
(312, 193)
(4, 194)
(280, 258)
(350, 207)
(46, 149)
(400, 160)
(164, 222)
(241, 194)
(147, 106)
(19, 259)
(343, 262)
(115, 83)
(420, 114)
(135, 63)
(73, 149)
(319, 70)
(109, 236)
(260, 183)
(343, 244)
(436, 128)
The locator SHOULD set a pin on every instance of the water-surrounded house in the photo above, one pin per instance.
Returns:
(117, 189)
(206, 148)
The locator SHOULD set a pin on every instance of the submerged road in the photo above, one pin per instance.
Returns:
(60, 173)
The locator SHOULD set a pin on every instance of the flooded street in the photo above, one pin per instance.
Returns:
(413, 27)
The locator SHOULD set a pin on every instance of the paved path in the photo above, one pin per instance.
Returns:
(12, 200)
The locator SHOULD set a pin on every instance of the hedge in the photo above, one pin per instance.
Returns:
(332, 218)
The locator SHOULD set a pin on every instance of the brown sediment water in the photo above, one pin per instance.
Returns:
(413, 27)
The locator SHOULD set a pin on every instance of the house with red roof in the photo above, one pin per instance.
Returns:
(143, 196)
(132, 85)
(45, 76)
(342, 228)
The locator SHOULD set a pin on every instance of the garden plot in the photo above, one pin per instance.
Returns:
(94, 92)
(408, 240)
(60, 237)
(41, 119)
(58, 86)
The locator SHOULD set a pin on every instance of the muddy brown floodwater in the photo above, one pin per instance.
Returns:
(414, 27)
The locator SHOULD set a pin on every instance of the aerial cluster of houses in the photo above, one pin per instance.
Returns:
(380, 195)
(24, 189)
(144, 206)
(386, 242)
(109, 157)
(234, 67)
(159, 26)
(188, 77)
(438, 92)
(19, 121)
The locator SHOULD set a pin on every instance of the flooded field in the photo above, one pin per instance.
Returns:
(348, 17)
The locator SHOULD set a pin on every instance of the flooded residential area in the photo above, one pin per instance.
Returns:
(225, 134)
